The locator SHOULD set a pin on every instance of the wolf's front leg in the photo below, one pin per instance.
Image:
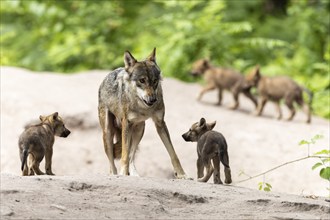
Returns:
(209, 172)
(261, 105)
(165, 137)
(126, 146)
(48, 159)
(200, 168)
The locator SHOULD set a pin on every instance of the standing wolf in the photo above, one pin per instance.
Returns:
(127, 98)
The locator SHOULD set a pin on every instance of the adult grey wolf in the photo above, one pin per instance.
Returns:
(276, 88)
(127, 98)
(37, 141)
(221, 79)
(211, 145)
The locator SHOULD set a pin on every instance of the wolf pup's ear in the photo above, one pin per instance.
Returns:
(211, 125)
(206, 62)
(129, 59)
(42, 118)
(202, 122)
(152, 56)
(55, 115)
(257, 70)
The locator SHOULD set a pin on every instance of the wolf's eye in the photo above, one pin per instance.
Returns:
(142, 80)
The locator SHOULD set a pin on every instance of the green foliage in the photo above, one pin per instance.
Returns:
(323, 155)
(264, 186)
(312, 141)
(324, 164)
(69, 36)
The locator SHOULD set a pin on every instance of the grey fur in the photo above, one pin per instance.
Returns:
(127, 98)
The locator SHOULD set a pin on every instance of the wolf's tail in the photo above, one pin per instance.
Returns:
(224, 158)
(310, 95)
(24, 157)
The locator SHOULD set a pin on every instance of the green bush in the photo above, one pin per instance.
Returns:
(290, 38)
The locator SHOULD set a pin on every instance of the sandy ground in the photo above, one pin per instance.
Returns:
(83, 189)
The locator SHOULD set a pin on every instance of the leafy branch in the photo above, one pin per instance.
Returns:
(281, 165)
(323, 155)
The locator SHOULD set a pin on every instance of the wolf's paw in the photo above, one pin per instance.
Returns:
(233, 107)
(123, 172)
(200, 180)
(182, 176)
(228, 181)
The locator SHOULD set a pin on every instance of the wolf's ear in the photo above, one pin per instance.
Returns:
(206, 62)
(42, 118)
(55, 115)
(202, 122)
(129, 59)
(211, 125)
(257, 70)
(152, 56)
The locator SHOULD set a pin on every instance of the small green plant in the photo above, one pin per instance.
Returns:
(265, 186)
(324, 164)
(323, 156)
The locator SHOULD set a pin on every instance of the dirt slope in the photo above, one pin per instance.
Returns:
(255, 145)
(105, 197)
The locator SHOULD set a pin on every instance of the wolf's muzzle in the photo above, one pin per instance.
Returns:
(150, 100)
(65, 133)
(186, 137)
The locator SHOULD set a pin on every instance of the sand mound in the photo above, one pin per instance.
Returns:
(255, 145)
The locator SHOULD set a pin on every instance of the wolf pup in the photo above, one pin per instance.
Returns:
(276, 88)
(211, 145)
(37, 141)
(127, 98)
(220, 78)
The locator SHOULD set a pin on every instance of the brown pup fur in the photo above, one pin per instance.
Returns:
(276, 89)
(221, 79)
(211, 146)
(36, 142)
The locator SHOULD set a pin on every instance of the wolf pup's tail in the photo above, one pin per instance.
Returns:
(310, 95)
(224, 159)
(25, 155)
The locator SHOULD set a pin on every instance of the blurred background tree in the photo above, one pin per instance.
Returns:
(285, 37)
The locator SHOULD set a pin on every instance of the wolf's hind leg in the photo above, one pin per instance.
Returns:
(30, 161)
(209, 171)
(279, 111)
(106, 121)
(35, 166)
(216, 172)
(136, 138)
(289, 103)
